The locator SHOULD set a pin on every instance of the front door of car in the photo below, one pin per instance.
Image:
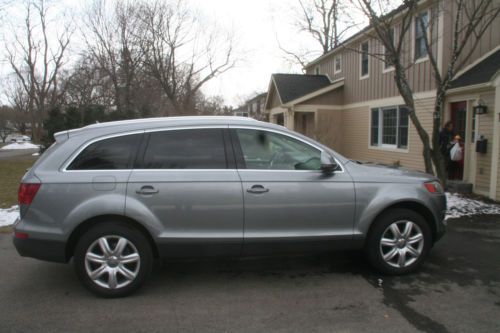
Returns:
(187, 190)
(290, 203)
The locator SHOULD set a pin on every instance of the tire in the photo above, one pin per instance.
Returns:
(392, 253)
(117, 254)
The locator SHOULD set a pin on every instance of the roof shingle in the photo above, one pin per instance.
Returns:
(482, 72)
(293, 86)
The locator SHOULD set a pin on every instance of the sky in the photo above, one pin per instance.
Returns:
(258, 26)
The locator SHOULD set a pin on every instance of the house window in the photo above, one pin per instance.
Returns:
(387, 56)
(338, 64)
(389, 127)
(316, 70)
(420, 48)
(364, 59)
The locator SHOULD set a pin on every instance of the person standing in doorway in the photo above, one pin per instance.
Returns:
(456, 169)
(446, 143)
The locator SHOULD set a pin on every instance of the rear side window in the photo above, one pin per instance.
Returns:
(108, 154)
(186, 149)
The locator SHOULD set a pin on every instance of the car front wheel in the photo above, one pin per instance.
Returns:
(398, 242)
(113, 259)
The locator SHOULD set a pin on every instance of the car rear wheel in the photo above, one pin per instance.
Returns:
(398, 242)
(113, 259)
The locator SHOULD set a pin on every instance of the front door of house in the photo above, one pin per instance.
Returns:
(458, 116)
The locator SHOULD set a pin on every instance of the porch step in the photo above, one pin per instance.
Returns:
(458, 186)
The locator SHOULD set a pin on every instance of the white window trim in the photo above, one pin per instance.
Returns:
(316, 70)
(413, 34)
(386, 147)
(335, 71)
(366, 76)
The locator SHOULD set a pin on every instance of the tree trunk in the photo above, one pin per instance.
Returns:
(407, 94)
(437, 156)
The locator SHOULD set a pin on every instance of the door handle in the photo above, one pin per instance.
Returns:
(257, 189)
(147, 190)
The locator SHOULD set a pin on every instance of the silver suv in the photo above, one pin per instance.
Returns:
(115, 196)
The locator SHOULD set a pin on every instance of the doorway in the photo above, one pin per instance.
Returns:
(458, 116)
(280, 119)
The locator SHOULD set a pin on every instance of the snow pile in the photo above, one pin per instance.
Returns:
(8, 216)
(19, 145)
(461, 206)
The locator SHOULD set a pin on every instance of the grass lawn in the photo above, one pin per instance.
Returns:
(11, 172)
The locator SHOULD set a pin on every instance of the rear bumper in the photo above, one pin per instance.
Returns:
(48, 250)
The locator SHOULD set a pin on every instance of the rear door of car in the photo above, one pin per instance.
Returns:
(186, 188)
(290, 204)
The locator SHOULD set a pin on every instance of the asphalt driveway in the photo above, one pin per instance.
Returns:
(458, 290)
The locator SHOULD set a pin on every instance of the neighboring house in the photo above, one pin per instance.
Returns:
(253, 108)
(242, 111)
(349, 101)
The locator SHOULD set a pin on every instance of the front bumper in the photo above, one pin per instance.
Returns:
(440, 217)
(48, 250)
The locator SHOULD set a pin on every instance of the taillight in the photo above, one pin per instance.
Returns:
(27, 193)
(21, 235)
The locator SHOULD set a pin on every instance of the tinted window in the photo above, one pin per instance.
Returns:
(186, 149)
(267, 150)
(107, 154)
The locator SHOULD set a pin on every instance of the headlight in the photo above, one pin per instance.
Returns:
(434, 187)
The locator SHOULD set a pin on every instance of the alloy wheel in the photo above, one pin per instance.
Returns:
(401, 244)
(112, 262)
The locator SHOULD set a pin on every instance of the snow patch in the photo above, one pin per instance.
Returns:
(8, 216)
(459, 206)
(20, 145)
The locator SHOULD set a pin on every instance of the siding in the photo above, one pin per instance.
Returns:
(335, 97)
(275, 101)
(489, 40)
(355, 138)
(485, 128)
(328, 129)
(420, 76)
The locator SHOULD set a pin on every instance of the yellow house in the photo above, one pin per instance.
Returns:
(349, 101)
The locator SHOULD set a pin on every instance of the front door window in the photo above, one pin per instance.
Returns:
(268, 150)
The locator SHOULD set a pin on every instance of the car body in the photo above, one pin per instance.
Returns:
(19, 138)
(215, 186)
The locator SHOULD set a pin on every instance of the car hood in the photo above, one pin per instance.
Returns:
(367, 172)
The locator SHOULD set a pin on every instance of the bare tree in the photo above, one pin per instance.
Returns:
(112, 47)
(19, 101)
(324, 21)
(5, 117)
(470, 20)
(81, 84)
(36, 60)
(181, 54)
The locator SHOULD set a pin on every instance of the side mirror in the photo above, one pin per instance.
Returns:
(328, 164)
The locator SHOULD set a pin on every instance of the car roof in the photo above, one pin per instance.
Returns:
(159, 122)
(175, 120)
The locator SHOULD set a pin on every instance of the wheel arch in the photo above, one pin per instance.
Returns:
(414, 206)
(91, 222)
